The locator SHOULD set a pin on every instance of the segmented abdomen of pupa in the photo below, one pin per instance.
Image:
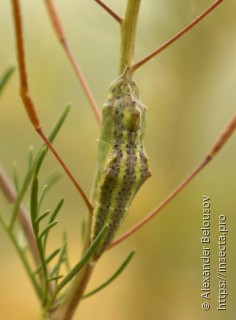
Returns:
(122, 161)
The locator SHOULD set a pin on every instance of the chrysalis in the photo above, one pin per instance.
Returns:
(122, 162)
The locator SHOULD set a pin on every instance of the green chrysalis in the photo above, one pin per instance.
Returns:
(122, 162)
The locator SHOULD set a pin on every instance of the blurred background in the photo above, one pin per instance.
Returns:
(190, 93)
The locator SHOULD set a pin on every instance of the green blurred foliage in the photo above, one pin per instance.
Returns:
(190, 93)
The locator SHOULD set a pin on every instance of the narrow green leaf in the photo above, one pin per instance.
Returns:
(113, 277)
(67, 264)
(15, 177)
(39, 159)
(83, 260)
(20, 196)
(41, 155)
(61, 259)
(51, 180)
(48, 260)
(6, 77)
(56, 210)
(59, 123)
(48, 228)
(52, 219)
(55, 278)
(34, 203)
(42, 216)
(83, 230)
(41, 196)
(52, 255)
(31, 158)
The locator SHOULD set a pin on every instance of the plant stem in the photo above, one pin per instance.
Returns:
(128, 32)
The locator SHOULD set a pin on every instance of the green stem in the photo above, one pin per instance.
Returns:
(128, 32)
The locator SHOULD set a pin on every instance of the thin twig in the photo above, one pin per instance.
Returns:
(176, 37)
(220, 142)
(28, 102)
(110, 11)
(53, 14)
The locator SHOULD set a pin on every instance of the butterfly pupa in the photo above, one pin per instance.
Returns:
(122, 161)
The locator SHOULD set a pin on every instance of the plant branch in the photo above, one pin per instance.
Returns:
(28, 102)
(110, 11)
(176, 37)
(218, 145)
(53, 14)
(128, 32)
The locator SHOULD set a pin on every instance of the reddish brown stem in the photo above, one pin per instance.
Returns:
(223, 137)
(24, 91)
(53, 14)
(177, 36)
(220, 142)
(28, 102)
(110, 11)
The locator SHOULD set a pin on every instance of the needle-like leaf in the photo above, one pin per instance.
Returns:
(51, 220)
(15, 178)
(41, 155)
(42, 216)
(48, 228)
(56, 210)
(83, 260)
(55, 278)
(61, 259)
(48, 260)
(113, 277)
(34, 204)
(6, 76)
(42, 195)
